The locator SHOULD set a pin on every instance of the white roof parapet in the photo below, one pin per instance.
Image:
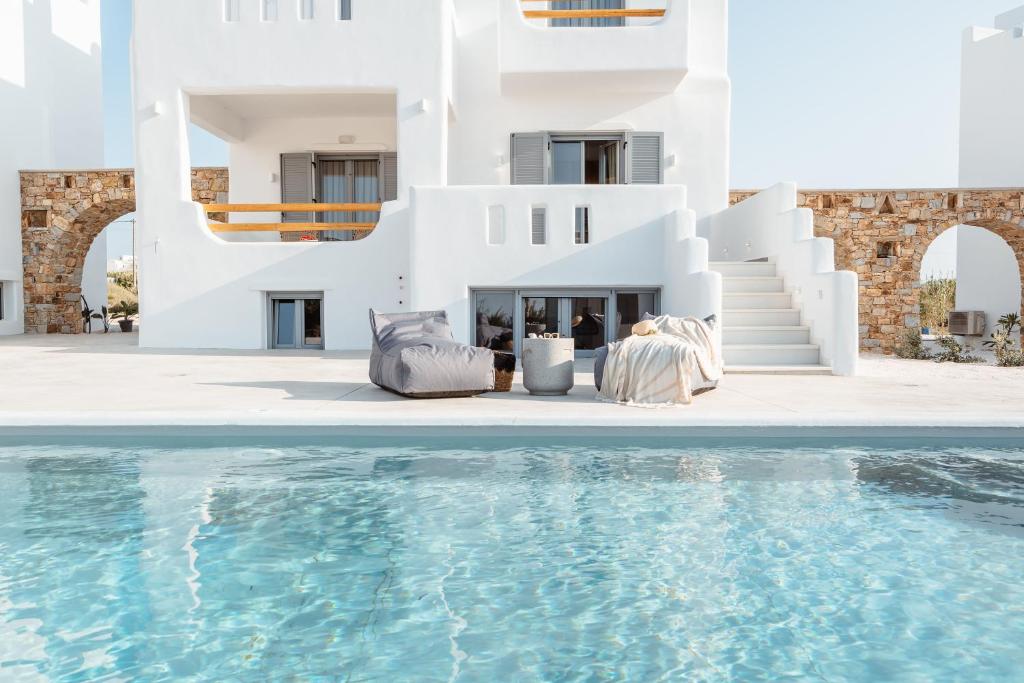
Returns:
(1010, 20)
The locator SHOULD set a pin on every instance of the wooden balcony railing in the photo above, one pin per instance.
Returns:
(291, 208)
(588, 13)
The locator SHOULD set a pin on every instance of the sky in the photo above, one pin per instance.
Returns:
(827, 93)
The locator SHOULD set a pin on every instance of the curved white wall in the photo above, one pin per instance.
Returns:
(50, 112)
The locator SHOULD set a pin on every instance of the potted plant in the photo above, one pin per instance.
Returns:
(124, 311)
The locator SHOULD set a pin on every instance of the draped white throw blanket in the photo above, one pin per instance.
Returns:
(657, 370)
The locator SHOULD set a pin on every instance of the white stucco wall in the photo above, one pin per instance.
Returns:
(50, 110)
(451, 124)
(991, 155)
(94, 275)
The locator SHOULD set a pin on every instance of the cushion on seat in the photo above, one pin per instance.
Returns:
(415, 355)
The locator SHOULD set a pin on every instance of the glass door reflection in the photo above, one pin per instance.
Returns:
(587, 323)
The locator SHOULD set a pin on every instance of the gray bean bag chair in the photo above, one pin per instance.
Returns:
(601, 357)
(415, 355)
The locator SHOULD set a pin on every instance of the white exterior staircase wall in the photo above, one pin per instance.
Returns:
(785, 307)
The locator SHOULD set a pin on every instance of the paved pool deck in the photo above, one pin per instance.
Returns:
(93, 383)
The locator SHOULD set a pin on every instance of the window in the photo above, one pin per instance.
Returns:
(582, 225)
(296, 320)
(230, 10)
(549, 158)
(269, 10)
(344, 10)
(539, 225)
(306, 9)
(887, 249)
(1, 301)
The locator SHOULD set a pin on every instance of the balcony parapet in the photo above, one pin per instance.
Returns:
(648, 53)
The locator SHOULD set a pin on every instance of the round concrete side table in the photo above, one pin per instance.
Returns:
(548, 366)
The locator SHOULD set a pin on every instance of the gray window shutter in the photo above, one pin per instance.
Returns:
(529, 158)
(539, 225)
(388, 176)
(296, 188)
(644, 152)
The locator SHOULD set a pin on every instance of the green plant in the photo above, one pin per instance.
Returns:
(1002, 341)
(953, 351)
(125, 280)
(1012, 359)
(124, 309)
(938, 298)
(912, 346)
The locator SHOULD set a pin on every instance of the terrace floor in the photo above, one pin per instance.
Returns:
(106, 380)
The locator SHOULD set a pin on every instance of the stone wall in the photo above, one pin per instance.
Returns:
(882, 235)
(62, 213)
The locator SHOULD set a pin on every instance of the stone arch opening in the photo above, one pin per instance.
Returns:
(990, 267)
(62, 214)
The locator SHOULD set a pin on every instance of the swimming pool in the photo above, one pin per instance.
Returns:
(509, 560)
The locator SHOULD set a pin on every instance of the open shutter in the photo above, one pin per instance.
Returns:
(529, 158)
(296, 188)
(388, 176)
(644, 152)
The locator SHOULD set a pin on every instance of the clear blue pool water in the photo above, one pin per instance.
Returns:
(505, 562)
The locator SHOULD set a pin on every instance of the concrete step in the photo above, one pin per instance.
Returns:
(771, 354)
(778, 370)
(766, 334)
(743, 268)
(732, 284)
(734, 300)
(748, 317)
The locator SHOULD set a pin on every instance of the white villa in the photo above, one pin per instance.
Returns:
(524, 167)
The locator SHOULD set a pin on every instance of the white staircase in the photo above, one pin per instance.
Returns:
(761, 330)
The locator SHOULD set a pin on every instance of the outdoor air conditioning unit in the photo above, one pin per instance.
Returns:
(967, 323)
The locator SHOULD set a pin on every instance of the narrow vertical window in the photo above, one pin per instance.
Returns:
(230, 10)
(269, 10)
(344, 10)
(582, 225)
(539, 225)
(306, 9)
(496, 225)
(1, 301)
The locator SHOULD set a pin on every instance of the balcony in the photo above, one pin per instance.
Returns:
(636, 48)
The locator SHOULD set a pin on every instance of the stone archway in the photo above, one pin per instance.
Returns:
(62, 212)
(882, 235)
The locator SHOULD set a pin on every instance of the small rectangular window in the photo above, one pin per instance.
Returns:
(1, 301)
(269, 10)
(496, 225)
(306, 9)
(296, 320)
(230, 10)
(344, 10)
(582, 225)
(538, 225)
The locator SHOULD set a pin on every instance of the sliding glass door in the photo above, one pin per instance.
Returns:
(592, 318)
(345, 180)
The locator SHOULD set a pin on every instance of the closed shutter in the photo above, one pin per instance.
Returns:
(644, 153)
(589, 4)
(529, 158)
(388, 176)
(296, 188)
(539, 225)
